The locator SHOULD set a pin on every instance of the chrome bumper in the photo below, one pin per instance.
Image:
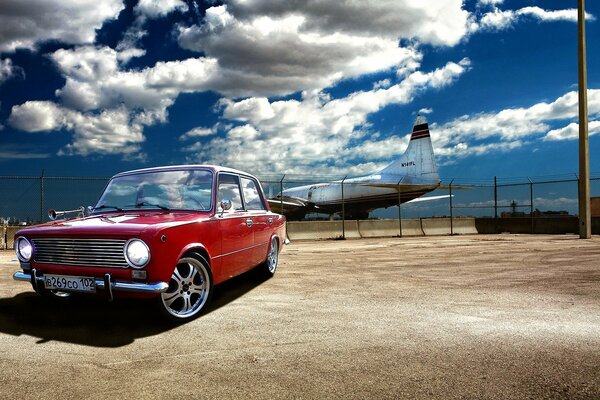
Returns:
(120, 286)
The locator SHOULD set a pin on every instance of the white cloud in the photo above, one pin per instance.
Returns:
(509, 127)
(384, 83)
(268, 56)
(490, 2)
(316, 132)
(571, 131)
(198, 132)
(554, 15)
(25, 24)
(37, 116)
(502, 19)
(159, 8)
(8, 70)
(498, 19)
(130, 47)
(440, 23)
(424, 111)
(94, 80)
(108, 132)
(97, 91)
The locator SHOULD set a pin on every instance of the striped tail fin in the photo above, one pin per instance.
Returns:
(418, 161)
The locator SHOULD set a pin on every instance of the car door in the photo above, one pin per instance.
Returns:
(262, 221)
(236, 228)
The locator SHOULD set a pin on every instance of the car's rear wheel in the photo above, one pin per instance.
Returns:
(189, 291)
(270, 265)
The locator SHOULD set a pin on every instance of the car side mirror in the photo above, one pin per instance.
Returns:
(225, 205)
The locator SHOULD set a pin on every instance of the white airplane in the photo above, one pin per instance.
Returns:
(404, 180)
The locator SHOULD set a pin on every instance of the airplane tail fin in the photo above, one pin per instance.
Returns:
(418, 161)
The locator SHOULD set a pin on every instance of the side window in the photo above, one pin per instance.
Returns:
(251, 195)
(229, 189)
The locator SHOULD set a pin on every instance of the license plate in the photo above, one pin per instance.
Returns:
(70, 283)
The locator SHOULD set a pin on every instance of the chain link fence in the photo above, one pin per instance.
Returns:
(25, 200)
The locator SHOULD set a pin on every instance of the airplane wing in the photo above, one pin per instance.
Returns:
(430, 198)
(291, 205)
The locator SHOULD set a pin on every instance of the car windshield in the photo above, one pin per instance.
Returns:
(162, 190)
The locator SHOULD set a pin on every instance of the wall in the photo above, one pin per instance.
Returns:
(302, 230)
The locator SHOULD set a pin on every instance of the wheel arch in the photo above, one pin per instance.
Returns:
(195, 248)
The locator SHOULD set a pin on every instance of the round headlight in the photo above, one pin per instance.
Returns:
(23, 249)
(137, 253)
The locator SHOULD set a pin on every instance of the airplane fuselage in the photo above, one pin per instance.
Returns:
(405, 179)
(358, 196)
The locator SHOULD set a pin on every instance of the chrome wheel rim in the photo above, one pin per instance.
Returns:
(188, 289)
(273, 256)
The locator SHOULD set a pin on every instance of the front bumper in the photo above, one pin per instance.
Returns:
(104, 283)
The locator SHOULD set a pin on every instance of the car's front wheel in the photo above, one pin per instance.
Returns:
(189, 291)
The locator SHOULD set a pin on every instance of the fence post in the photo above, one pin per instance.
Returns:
(281, 195)
(399, 210)
(495, 197)
(343, 211)
(451, 211)
(531, 204)
(495, 205)
(42, 197)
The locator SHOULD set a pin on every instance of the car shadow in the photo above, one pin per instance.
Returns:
(92, 321)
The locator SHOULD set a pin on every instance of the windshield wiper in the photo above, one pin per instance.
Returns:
(107, 206)
(143, 203)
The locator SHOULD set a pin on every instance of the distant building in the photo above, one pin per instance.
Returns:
(536, 213)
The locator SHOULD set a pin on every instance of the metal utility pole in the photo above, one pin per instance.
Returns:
(399, 209)
(585, 220)
(343, 211)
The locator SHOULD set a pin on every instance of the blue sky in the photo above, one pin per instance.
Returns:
(91, 88)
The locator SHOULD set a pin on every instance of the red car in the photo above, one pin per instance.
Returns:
(168, 233)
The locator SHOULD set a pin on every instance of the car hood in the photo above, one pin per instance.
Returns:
(108, 224)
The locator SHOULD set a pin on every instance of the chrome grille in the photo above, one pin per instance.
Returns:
(80, 252)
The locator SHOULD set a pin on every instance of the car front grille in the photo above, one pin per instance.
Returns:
(80, 252)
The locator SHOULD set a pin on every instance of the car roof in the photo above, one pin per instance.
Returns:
(215, 168)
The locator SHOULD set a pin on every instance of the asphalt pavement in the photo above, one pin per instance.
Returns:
(462, 317)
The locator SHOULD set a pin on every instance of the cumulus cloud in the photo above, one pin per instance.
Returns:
(8, 70)
(159, 8)
(511, 127)
(130, 46)
(107, 132)
(441, 23)
(97, 93)
(37, 116)
(95, 81)
(384, 83)
(316, 131)
(497, 19)
(198, 132)
(25, 24)
(571, 131)
(276, 55)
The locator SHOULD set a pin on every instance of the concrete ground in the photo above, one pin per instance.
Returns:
(463, 317)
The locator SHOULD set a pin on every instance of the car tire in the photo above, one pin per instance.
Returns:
(190, 289)
(269, 267)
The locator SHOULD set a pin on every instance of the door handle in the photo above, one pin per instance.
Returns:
(249, 222)
(270, 220)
